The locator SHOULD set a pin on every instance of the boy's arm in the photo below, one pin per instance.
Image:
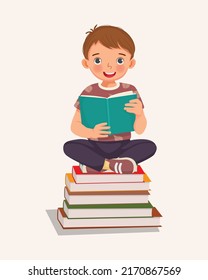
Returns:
(99, 131)
(140, 123)
(135, 106)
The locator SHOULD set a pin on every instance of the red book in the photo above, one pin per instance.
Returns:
(106, 177)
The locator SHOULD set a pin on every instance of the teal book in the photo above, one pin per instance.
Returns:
(96, 109)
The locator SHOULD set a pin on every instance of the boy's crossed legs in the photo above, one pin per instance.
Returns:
(119, 156)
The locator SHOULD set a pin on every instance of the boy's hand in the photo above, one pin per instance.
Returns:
(134, 106)
(100, 131)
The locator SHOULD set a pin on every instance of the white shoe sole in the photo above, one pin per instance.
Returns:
(83, 168)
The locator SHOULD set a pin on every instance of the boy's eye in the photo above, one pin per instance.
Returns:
(97, 60)
(120, 60)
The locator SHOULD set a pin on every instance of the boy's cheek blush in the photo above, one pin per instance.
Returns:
(97, 68)
(120, 68)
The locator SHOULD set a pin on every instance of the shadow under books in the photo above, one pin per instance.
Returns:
(52, 214)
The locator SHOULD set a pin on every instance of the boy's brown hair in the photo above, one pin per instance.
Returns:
(110, 37)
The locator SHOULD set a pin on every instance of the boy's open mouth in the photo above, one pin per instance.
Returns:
(109, 75)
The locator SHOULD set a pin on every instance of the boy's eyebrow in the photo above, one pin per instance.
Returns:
(122, 54)
(95, 54)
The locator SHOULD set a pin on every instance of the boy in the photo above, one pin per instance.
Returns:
(108, 53)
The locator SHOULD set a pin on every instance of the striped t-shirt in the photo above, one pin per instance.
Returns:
(99, 90)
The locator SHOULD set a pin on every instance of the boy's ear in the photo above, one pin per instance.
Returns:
(85, 63)
(132, 63)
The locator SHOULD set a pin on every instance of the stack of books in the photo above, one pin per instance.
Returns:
(107, 200)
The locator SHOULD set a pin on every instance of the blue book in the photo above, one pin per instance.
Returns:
(96, 109)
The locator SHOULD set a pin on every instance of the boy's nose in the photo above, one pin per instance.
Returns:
(109, 65)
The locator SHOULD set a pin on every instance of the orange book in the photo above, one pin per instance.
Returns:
(90, 185)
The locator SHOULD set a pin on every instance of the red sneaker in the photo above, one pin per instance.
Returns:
(123, 165)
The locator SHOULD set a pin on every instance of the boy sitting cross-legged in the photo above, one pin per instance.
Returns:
(108, 53)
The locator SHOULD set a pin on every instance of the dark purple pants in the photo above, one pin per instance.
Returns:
(94, 153)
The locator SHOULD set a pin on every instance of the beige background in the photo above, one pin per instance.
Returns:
(40, 79)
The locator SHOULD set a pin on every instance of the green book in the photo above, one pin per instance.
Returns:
(105, 206)
(107, 210)
(96, 109)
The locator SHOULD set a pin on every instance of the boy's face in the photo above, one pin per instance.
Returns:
(107, 64)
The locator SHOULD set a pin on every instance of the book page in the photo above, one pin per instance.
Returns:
(121, 94)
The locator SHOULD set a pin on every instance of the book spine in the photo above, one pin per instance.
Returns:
(108, 113)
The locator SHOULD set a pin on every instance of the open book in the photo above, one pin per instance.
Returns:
(96, 109)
